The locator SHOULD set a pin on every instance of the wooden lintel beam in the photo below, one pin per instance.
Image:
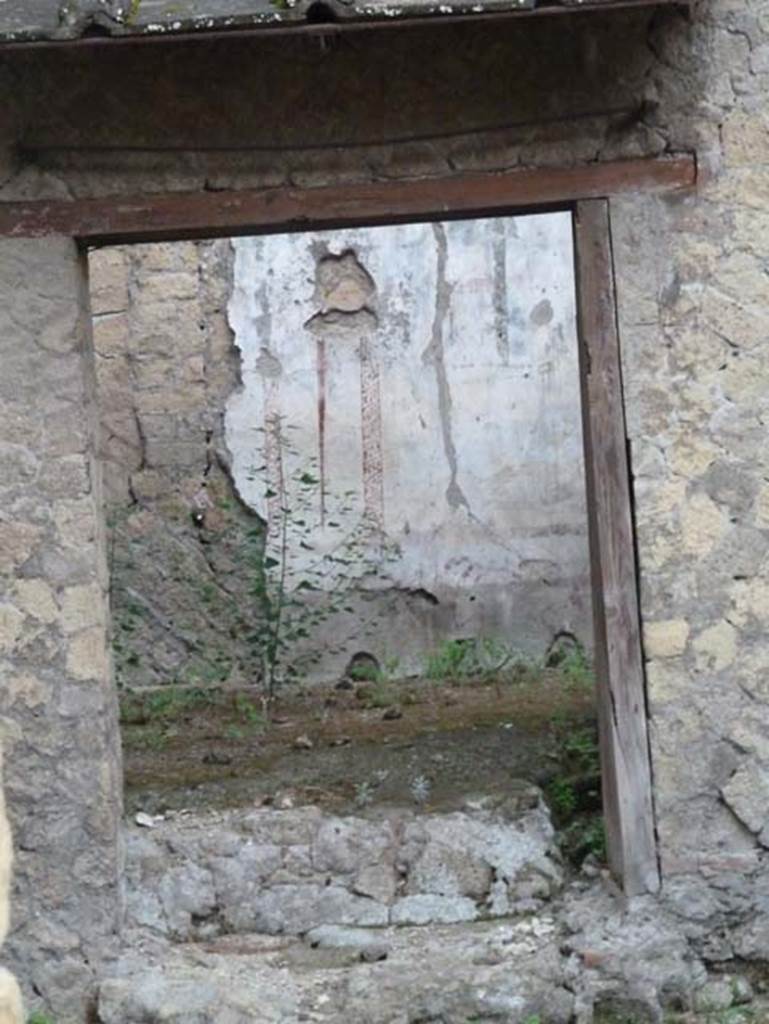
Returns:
(201, 214)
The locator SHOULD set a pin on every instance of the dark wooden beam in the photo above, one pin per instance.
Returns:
(215, 214)
(625, 760)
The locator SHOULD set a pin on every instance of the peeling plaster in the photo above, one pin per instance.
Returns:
(434, 355)
(393, 380)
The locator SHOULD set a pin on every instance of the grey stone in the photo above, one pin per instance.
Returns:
(747, 794)
(378, 881)
(329, 936)
(716, 995)
(154, 997)
(186, 892)
(293, 909)
(431, 909)
(345, 845)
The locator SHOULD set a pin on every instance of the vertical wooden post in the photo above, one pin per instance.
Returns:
(625, 764)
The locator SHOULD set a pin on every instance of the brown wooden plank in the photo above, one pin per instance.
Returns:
(210, 214)
(625, 761)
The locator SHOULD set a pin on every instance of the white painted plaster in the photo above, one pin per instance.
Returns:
(470, 330)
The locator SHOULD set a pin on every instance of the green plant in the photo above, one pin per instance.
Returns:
(577, 667)
(39, 1018)
(249, 713)
(173, 701)
(467, 658)
(420, 788)
(154, 738)
(366, 672)
(310, 562)
(381, 695)
(364, 793)
(562, 797)
(582, 748)
(369, 672)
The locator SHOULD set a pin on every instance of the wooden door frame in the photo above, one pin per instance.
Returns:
(586, 192)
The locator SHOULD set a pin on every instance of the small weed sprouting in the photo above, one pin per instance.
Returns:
(364, 793)
(562, 797)
(582, 747)
(174, 701)
(365, 672)
(249, 713)
(477, 658)
(448, 661)
(298, 584)
(381, 695)
(369, 672)
(39, 1018)
(420, 788)
(577, 668)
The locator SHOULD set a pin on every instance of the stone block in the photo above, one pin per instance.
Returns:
(344, 846)
(164, 256)
(66, 477)
(82, 607)
(75, 522)
(170, 287)
(87, 655)
(36, 599)
(715, 648)
(26, 689)
(17, 542)
(432, 909)
(186, 892)
(747, 795)
(378, 882)
(665, 639)
(702, 525)
(11, 625)
(110, 339)
(108, 280)
(295, 909)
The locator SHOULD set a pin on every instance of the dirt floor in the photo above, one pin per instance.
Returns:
(352, 745)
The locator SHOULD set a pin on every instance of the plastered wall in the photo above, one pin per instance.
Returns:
(426, 377)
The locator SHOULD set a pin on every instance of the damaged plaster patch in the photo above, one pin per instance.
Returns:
(542, 313)
(268, 365)
(501, 315)
(342, 284)
(434, 355)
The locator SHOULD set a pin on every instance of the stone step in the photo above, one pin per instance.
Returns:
(192, 877)
(501, 971)
(590, 956)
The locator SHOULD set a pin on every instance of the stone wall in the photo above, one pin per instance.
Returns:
(62, 776)
(691, 281)
(285, 872)
(182, 549)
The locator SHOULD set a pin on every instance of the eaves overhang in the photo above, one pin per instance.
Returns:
(36, 22)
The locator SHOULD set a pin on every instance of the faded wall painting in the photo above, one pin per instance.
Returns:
(408, 425)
